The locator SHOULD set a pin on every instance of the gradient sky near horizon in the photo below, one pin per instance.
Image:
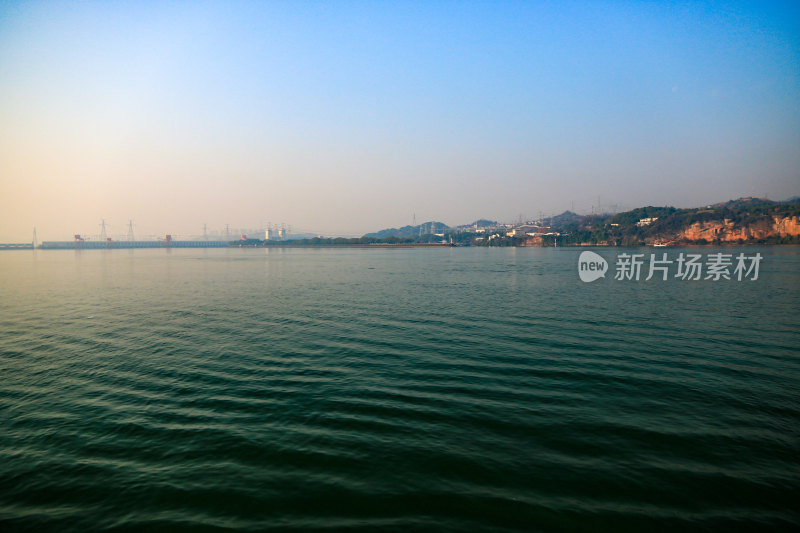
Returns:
(342, 118)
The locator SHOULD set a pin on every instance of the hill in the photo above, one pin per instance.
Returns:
(741, 221)
(745, 220)
(410, 232)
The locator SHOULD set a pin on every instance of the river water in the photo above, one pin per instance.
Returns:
(413, 389)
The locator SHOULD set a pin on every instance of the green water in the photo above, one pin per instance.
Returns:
(453, 389)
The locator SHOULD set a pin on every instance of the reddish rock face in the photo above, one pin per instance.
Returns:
(787, 226)
(535, 240)
(726, 231)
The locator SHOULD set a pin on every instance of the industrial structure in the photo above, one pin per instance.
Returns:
(275, 233)
(103, 241)
(79, 243)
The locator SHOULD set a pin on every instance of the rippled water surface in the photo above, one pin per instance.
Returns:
(454, 389)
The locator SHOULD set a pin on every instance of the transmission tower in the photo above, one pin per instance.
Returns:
(103, 235)
(35, 238)
(205, 232)
(130, 231)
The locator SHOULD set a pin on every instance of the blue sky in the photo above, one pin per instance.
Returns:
(343, 118)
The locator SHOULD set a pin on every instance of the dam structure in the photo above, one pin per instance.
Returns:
(79, 243)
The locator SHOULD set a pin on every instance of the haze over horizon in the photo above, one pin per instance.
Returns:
(348, 118)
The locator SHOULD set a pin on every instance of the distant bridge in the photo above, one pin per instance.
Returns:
(16, 246)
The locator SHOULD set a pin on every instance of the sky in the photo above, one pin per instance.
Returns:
(341, 118)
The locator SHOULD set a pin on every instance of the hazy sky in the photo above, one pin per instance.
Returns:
(348, 117)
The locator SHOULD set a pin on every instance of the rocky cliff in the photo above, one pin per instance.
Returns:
(727, 231)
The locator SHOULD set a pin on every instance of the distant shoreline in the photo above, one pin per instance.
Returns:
(399, 245)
